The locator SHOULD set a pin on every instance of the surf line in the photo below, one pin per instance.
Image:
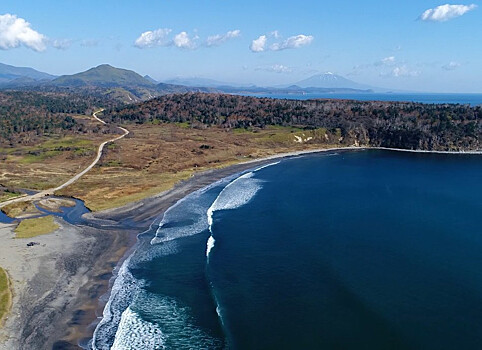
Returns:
(225, 200)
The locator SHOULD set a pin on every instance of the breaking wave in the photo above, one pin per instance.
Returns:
(135, 333)
(236, 194)
(156, 322)
(123, 325)
(123, 291)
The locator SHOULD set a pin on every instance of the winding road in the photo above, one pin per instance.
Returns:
(51, 191)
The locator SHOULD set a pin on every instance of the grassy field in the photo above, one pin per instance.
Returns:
(151, 159)
(20, 209)
(155, 157)
(47, 163)
(5, 295)
(5, 195)
(35, 227)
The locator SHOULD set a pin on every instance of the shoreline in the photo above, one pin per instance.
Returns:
(66, 314)
(151, 208)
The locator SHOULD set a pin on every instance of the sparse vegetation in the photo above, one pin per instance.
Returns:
(29, 228)
(5, 295)
(155, 157)
(20, 209)
(6, 194)
(48, 162)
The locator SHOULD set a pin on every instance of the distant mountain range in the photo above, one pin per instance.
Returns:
(128, 86)
(330, 80)
(119, 84)
(9, 74)
(196, 81)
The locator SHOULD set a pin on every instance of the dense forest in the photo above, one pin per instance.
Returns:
(24, 115)
(373, 123)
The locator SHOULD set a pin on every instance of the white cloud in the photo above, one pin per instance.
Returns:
(184, 41)
(61, 44)
(15, 31)
(445, 12)
(387, 61)
(258, 45)
(276, 68)
(403, 71)
(293, 42)
(451, 65)
(218, 39)
(152, 38)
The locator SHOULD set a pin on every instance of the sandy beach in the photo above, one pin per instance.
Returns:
(48, 279)
(58, 284)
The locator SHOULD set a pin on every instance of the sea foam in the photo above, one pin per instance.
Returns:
(168, 326)
(174, 224)
(123, 291)
(210, 245)
(135, 333)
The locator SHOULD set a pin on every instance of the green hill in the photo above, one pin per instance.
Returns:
(104, 76)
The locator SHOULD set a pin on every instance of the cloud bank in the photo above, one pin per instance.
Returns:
(16, 32)
(161, 37)
(293, 42)
(218, 39)
(451, 65)
(275, 68)
(445, 12)
(153, 38)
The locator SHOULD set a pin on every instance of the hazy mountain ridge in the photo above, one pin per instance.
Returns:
(9, 74)
(331, 80)
(127, 86)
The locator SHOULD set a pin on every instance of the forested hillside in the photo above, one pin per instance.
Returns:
(25, 115)
(373, 123)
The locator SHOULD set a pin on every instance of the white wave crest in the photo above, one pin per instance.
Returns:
(236, 194)
(210, 245)
(267, 165)
(135, 333)
(174, 225)
(168, 326)
(123, 291)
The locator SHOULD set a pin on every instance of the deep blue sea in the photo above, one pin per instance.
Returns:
(471, 99)
(340, 250)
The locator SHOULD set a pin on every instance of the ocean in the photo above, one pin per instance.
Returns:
(339, 250)
(430, 98)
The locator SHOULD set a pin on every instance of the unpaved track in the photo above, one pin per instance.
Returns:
(51, 191)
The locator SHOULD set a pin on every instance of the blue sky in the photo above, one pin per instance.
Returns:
(412, 44)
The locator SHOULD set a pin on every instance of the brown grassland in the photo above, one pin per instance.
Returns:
(47, 162)
(153, 158)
